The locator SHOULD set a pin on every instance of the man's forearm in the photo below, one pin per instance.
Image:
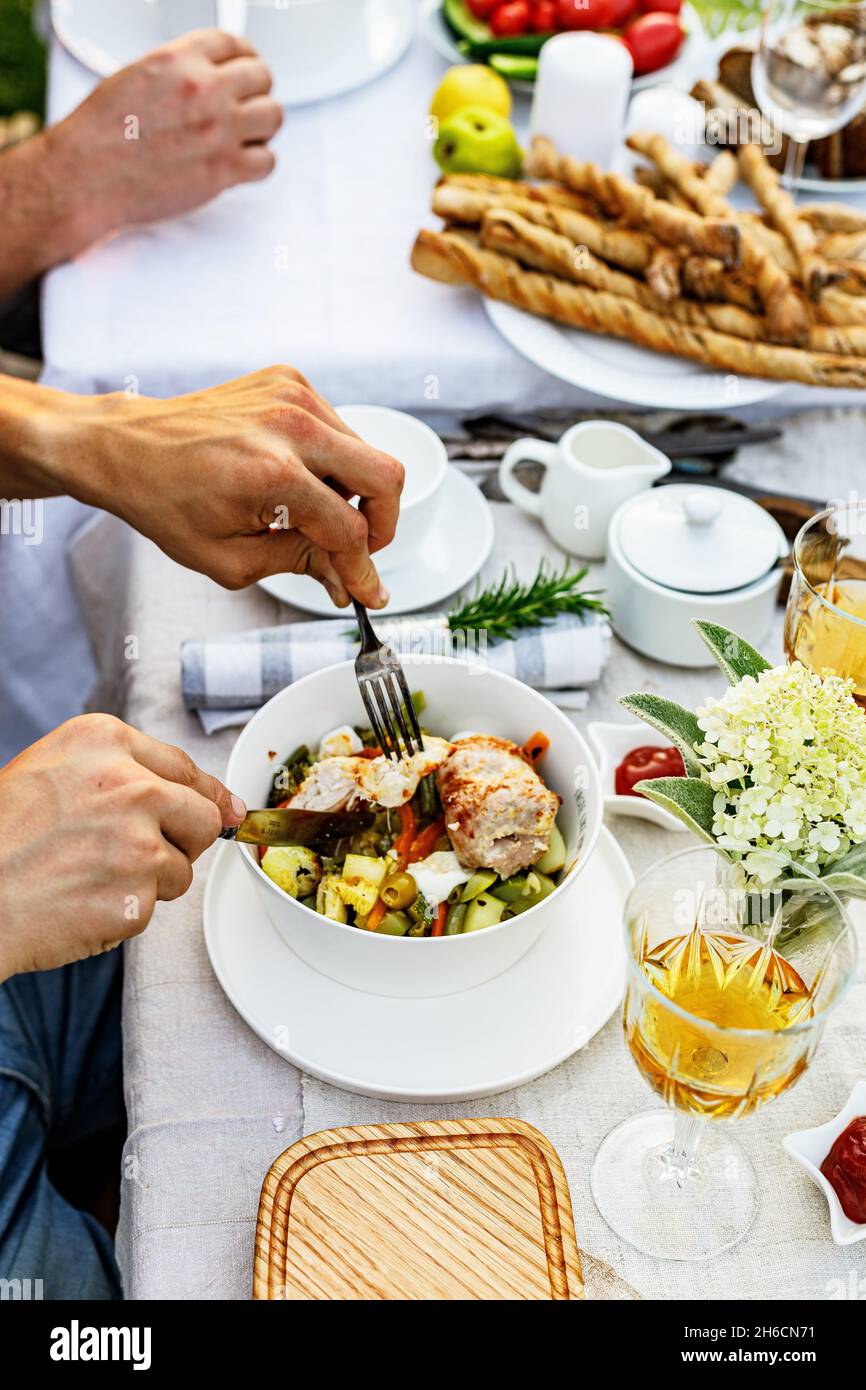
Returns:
(44, 217)
(38, 432)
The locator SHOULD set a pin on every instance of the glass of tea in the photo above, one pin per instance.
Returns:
(727, 995)
(825, 621)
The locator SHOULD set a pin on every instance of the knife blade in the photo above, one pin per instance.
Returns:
(283, 826)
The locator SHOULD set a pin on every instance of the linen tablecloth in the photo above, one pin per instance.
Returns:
(310, 267)
(210, 1106)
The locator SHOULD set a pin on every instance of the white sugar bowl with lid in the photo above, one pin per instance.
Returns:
(682, 552)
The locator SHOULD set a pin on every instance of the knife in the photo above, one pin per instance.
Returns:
(283, 826)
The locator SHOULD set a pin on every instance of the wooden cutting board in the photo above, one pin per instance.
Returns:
(450, 1209)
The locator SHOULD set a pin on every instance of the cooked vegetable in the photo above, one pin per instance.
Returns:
(439, 919)
(398, 890)
(537, 744)
(393, 924)
(289, 776)
(480, 881)
(408, 829)
(374, 916)
(360, 881)
(483, 911)
(425, 843)
(554, 856)
(540, 887)
(514, 888)
(421, 913)
(293, 868)
(455, 919)
(328, 900)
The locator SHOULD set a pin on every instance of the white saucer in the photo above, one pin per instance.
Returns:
(105, 37)
(452, 554)
(484, 1040)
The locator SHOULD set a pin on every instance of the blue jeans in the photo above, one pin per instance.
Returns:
(60, 1083)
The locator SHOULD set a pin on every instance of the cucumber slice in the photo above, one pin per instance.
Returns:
(514, 68)
(483, 911)
(459, 18)
(520, 45)
(553, 858)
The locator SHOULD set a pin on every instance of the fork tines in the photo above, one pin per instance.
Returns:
(389, 707)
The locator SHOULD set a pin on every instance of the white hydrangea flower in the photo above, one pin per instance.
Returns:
(785, 754)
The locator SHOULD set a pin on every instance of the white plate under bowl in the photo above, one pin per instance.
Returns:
(617, 369)
(610, 743)
(453, 1047)
(453, 552)
(809, 1148)
(438, 33)
(107, 36)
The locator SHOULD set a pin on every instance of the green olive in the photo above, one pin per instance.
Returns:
(398, 891)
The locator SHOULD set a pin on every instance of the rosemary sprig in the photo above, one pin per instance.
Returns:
(503, 608)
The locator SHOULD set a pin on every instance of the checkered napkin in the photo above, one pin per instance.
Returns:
(226, 679)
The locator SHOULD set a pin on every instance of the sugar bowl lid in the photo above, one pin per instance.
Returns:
(700, 540)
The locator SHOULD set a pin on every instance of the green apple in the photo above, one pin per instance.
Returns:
(477, 141)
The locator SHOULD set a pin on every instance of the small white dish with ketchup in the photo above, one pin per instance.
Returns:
(834, 1156)
(629, 753)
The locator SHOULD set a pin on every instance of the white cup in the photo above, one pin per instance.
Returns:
(178, 17)
(424, 457)
(593, 469)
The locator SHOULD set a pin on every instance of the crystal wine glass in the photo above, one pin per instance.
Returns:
(825, 621)
(809, 71)
(727, 995)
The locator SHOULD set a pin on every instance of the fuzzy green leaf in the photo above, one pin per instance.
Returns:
(674, 721)
(734, 655)
(686, 798)
(854, 885)
(854, 862)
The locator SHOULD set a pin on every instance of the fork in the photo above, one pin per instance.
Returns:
(385, 692)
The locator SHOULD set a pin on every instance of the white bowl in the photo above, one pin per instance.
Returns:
(610, 743)
(459, 696)
(809, 1148)
(425, 459)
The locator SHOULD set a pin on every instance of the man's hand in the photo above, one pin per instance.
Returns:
(241, 481)
(159, 138)
(97, 822)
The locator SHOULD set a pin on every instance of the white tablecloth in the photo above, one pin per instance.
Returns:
(310, 267)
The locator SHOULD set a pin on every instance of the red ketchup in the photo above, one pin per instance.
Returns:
(845, 1169)
(647, 762)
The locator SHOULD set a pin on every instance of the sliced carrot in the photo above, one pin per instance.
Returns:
(425, 843)
(408, 827)
(369, 753)
(375, 915)
(535, 745)
(438, 926)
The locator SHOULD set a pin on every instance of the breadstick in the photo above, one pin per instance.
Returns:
(707, 279)
(663, 274)
(722, 173)
(729, 119)
(764, 182)
(452, 260)
(833, 217)
(620, 197)
(652, 179)
(622, 246)
(538, 192)
(787, 319)
(834, 306)
(845, 246)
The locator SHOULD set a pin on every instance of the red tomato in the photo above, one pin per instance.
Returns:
(660, 6)
(653, 41)
(584, 14)
(511, 18)
(544, 16)
(647, 762)
(621, 11)
(482, 9)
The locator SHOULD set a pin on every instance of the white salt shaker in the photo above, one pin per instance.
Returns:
(581, 93)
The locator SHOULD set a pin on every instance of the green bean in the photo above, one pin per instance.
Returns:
(394, 924)
(455, 920)
(480, 881)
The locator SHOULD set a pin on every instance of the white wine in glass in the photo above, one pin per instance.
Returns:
(809, 71)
